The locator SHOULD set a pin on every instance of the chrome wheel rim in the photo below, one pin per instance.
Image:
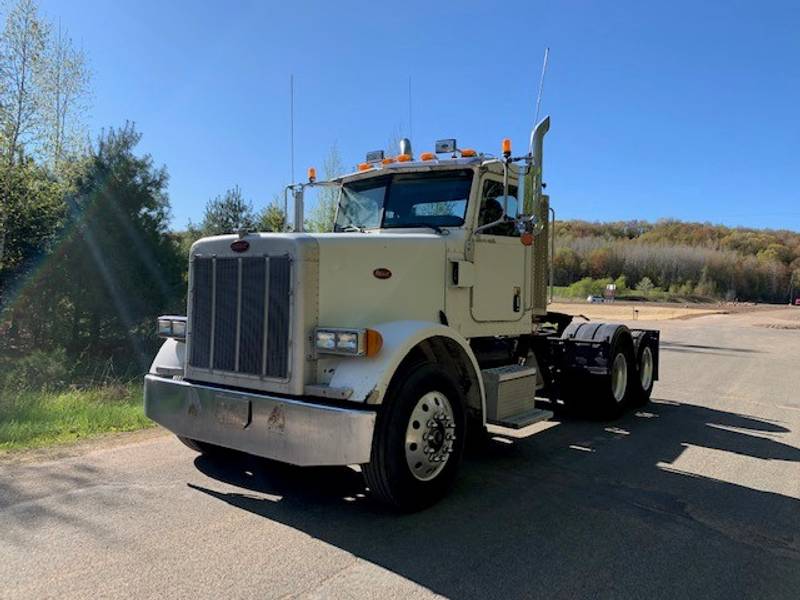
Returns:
(429, 436)
(646, 368)
(619, 377)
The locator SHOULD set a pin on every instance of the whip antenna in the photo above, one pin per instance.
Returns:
(291, 128)
(541, 85)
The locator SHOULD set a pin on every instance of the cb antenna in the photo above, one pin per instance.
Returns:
(291, 128)
(410, 122)
(541, 85)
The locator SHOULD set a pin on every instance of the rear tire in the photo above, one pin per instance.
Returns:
(615, 390)
(645, 371)
(418, 441)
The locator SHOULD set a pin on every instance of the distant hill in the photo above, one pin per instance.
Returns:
(677, 259)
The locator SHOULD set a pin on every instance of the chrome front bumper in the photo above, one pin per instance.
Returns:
(292, 431)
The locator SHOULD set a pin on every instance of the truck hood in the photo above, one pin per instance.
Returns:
(366, 278)
(363, 278)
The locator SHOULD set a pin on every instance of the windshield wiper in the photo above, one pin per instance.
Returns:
(352, 227)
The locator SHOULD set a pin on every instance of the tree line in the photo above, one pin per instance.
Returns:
(687, 259)
(87, 255)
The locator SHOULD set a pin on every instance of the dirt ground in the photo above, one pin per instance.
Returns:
(646, 311)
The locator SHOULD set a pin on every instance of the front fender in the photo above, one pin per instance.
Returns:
(369, 377)
(170, 359)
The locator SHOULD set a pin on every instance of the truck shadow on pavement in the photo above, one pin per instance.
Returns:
(583, 509)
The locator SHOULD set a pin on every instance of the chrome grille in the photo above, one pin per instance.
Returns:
(240, 315)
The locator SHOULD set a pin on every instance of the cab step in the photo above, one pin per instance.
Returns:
(521, 420)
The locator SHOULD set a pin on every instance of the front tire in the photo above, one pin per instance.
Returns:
(201, 447)
(418, 441)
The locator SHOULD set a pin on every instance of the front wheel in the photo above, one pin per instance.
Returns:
(201, 447)
(418, 441)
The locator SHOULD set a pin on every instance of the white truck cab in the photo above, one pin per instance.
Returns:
(390, 341)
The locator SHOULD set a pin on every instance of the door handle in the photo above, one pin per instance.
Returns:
(517, 299)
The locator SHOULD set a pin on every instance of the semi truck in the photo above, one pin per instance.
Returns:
(415, 326)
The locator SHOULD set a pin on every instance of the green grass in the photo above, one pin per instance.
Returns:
(32, 419)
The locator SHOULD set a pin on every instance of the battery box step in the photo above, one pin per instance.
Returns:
(523, 419)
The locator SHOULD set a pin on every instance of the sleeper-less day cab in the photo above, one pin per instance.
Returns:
(396, 339)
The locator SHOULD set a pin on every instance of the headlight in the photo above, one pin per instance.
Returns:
(350, 342)
(326, 340)
(172, 327)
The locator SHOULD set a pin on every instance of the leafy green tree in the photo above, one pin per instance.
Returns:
(645, 285)
(706, 286)
(116, 267)
(228, 213)
(22, 60)
(273, 217)
(323, 214)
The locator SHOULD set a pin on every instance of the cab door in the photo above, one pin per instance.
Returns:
(501, 263)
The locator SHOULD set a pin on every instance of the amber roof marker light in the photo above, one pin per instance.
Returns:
(506, 147)
(312, 174)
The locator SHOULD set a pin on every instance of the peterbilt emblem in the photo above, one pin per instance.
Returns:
(382, 273)
(240, 246)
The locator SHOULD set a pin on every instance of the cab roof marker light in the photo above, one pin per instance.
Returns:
(427, 156)
(387, 161)
(468, 153)
(403, 158)
(364, 166)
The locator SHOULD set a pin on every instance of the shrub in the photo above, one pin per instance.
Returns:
(37, 370)
(645, 285)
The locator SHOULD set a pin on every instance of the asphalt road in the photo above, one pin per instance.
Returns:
(698, 495)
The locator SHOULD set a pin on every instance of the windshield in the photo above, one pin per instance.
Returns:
(405, 200)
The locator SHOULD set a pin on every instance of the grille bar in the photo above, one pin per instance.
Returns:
(240, 319)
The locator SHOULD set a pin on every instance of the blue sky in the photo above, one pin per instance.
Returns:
(660, 109)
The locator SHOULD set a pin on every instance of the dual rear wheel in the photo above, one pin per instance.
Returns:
(628, 380)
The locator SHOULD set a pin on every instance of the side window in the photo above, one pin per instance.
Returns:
(492, 208)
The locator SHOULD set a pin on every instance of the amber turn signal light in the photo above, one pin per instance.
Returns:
(374, 342)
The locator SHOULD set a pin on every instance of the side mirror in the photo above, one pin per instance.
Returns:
(510, 206)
